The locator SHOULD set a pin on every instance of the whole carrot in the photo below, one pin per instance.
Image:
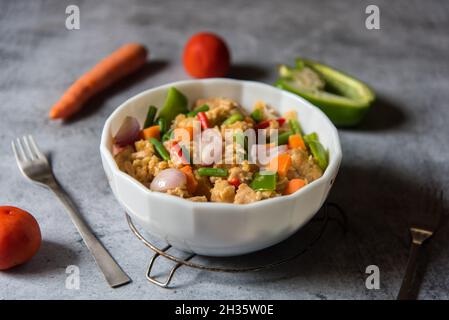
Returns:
(119, 64)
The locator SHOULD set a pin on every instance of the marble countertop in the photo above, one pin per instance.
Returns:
(400, 148)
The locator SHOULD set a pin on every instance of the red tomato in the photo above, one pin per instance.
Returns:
(20, 237)
(206, 55)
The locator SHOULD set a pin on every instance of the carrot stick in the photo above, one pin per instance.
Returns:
(119, 64)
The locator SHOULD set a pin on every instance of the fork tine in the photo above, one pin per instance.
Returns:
(27, 148)
(18, 156)
(20, 149)
(35, 148)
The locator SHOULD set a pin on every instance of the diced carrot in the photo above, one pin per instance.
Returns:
(151, 132)
(293, 186)
(190, 130)
(192, 184)
(281, 164)
(296, 141)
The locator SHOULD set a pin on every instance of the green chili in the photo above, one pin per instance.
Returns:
(203, 108)
(175, 103)
(162, 125)
(257, 115)
(344, 99)
(295, 126)
(233, 118)
(149, 121)
(213, 172)
(264, 181)
(160, 149)
(283, 137)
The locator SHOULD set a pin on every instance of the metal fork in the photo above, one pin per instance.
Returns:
(34, 165)
(429, 211)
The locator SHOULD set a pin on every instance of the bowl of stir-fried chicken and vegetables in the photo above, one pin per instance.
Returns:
(195, 149)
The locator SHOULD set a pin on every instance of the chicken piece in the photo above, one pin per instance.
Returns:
(204, 186)
(246, 195)
(179, 192)
(222, 192)
(198, 199)
(304, 165)
(220, 108)
(239, 172)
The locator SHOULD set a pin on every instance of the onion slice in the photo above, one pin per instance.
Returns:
(128, 132)
(168, 179)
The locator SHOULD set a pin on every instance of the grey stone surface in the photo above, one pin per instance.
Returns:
(401, 147)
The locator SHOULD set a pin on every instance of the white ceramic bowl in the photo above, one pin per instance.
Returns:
(221, 229)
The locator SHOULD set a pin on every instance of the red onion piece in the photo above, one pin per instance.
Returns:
(128, 132)
(168, 179)
(116, 149)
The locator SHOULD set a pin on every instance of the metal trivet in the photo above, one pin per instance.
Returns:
(186, 261)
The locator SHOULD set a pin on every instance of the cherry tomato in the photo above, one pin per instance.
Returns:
(206, 55)
(20, 237)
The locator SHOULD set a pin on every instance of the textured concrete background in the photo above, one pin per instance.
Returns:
(401, 147)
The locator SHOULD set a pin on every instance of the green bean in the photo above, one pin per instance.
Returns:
(160, 149)
(203, 108)
(295, 126)
(149, 121)
(162, 125)
(283, 137)
(213, 172)
(233, 118)
(257, 115)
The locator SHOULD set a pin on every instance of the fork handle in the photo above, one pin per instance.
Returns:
(114, 275)
(405, 293)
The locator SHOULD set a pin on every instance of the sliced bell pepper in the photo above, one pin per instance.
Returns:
(265, 181)
(235, 182)
(203, 120)
(175, 103)
(344, 99)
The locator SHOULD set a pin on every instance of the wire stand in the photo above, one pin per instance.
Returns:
(158, 252)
